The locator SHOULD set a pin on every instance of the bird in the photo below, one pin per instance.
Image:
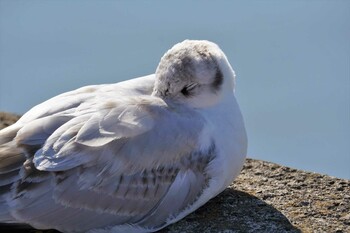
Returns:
(133, 156)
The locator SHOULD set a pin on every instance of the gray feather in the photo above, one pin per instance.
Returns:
(61, 174)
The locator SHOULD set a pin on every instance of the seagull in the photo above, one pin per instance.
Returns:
(134, 156)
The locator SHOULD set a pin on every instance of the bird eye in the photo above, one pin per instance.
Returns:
(186, 91)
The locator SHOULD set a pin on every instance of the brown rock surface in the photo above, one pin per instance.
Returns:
(7, 119)
(267, 197)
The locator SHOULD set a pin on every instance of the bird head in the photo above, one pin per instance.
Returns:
(195, 73)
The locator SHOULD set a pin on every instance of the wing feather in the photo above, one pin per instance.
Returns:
(132, 141)
(99, 161)
(40, 129)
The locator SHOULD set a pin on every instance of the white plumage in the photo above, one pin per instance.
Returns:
(134, 156)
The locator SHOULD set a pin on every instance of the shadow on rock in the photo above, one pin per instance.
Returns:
(22, 228)
(234, 211)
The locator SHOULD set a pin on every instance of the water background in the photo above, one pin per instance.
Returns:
(292, 60)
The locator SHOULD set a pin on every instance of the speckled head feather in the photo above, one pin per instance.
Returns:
(193, 72)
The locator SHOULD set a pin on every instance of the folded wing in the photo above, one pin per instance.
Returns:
(107, 162)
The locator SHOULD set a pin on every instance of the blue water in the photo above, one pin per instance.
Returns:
(292, 59)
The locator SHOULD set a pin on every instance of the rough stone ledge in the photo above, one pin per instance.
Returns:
(266, 197)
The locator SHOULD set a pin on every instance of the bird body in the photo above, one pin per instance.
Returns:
(134, 156)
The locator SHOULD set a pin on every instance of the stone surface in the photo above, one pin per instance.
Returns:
(267, 197)
(7, 119)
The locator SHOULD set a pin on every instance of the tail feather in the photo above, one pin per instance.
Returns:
(11, 160)
(9, 133)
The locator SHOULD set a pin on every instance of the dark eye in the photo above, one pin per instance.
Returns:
(186, 91)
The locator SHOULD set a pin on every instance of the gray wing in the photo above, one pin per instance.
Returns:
(69, 101)
(119, 162)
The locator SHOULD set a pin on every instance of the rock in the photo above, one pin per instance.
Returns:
(267, 197)
(311, 202)
(7, 119)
